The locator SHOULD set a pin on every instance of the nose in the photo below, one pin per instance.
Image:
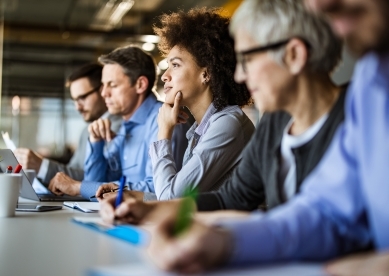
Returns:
(165, 76)
(239, 75)
(104, 91)
(78, 105)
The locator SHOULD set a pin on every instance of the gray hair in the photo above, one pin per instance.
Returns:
(270, 21)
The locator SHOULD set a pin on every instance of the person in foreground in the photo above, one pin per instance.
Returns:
(342, 204)
(85, 86)
(200, 55)
(128, 79)
(291, 75)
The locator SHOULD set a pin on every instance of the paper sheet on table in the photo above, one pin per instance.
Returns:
(8, 142)
(301, 269)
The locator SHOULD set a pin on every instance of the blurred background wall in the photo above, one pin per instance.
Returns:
(42, 41)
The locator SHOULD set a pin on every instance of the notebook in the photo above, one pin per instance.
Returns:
(86, 207)
(128, 233)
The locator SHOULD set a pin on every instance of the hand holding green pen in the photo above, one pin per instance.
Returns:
(184, 217)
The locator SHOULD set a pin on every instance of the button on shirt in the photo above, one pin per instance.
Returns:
(214, 149)
(126, 154)
(343, 203)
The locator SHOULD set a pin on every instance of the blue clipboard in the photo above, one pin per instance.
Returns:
(128, 233)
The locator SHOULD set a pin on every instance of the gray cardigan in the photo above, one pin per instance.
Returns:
(254, 182)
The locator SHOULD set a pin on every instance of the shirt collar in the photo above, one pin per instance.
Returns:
(142, 113)
(202, 126)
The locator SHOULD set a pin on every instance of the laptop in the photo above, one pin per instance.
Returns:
(7, 158)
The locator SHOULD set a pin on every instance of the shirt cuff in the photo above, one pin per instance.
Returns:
(160, 149)
(43, 169)
(244, 232)
(89, 188)
(149, 197)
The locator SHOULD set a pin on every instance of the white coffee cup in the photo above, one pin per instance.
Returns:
(10, 184)
(31, 174)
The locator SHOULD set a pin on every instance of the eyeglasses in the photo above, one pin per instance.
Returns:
(81, 99)
(241, 56)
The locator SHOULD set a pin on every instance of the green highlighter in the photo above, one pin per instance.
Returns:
(184, 218)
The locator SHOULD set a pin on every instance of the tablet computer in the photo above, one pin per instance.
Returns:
(36, 208)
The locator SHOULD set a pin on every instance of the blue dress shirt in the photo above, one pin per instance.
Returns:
(343, 203)
(126, 154)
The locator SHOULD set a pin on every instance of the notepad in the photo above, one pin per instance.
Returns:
(87, 207)
(129, 233)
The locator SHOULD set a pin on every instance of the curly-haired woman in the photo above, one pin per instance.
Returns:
(201, 59)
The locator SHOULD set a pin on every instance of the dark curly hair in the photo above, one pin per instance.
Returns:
(204, 34)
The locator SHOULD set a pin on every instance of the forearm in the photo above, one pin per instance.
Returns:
(95, 168)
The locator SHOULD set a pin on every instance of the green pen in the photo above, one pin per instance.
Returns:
(184, 218)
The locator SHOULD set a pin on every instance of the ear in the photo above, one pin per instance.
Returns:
(141, 85)
(205, 77)
(296, 56)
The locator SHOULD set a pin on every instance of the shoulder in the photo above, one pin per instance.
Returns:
(232, 120)
(272, 124)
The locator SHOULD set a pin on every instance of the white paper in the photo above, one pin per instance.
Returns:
(8, 142)
(87, 207)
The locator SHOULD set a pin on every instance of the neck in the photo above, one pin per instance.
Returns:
(199, 106)
(314, 96)
(134, 107)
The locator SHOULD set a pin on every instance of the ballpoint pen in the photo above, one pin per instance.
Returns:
(109, 191)
(119, 197)
(184, 218)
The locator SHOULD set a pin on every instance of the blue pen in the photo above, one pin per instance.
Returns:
(119, 198)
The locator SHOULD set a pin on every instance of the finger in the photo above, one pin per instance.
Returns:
(107, 127)
(181, 120)
(93, 130)
(101, 129)
(107, 212)
(109, 194)
(125, 208)
(183, 114)
(177, 99)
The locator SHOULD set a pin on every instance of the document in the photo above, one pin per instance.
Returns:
(8, 142)
(86, 207)
(301, 269)
(132, 234)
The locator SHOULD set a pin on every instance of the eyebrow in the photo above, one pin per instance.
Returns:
(173, 58)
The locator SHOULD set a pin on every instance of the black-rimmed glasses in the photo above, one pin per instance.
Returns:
(241, 56)
(81, 99)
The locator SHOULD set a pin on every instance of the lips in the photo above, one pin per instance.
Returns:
(166, 89)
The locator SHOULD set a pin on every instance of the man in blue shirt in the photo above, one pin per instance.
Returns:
(342, 206)
(128, 79)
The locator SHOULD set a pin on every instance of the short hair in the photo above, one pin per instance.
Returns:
(92, 71)
(270, 21)
(204, 34)
(135, 63)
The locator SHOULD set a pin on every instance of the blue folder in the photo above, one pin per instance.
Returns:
(128, 233)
